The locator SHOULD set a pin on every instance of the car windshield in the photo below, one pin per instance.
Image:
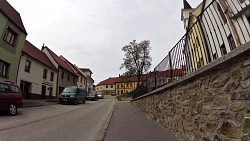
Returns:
(70, 90)
(91, 94)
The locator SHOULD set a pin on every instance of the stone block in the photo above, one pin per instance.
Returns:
(212, 126)
(237, 106)
(196, 125)
(241, 95)
(220, 80)
(232, 86)
(245, 137)
(246, 63)
(245, 73)
(207, 99)
(214, 116)
(220, 102)
(245, 84)
(206, 110)
(186, 102)
(196, 108)
(225, 114)
(218, 138)
(230, 129)
(246, 125)
(239, 117)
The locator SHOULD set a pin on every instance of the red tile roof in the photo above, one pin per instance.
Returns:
(12, 14)
(109, 81)
(60, 62)
(113, 80)
(38, 55)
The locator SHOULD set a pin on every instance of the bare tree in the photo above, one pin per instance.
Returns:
(137, 59)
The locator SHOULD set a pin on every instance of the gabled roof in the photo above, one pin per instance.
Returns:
(73, 67)
(36, 54)
(120, 79)
(12, 14)
(59, 61)
(109, 81)
(186, 5)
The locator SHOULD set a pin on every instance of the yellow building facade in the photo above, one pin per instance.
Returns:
(195, 41)
(125, 87)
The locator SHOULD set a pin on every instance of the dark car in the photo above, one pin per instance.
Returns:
(92, 97)
(73, 94)
(100, 96)
(113, 94)
(10, 97)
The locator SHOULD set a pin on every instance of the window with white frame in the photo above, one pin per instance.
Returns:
(10, 36)
(27, 66)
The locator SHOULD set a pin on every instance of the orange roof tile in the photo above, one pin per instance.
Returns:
(60, 62)
(38, 55)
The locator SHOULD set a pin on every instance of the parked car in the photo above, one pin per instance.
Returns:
(10, 97)
(73, 94)
(113, 94)
(92, 97)
(100, 96)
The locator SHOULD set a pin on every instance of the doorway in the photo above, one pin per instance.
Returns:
(43, 91)
(25, 87)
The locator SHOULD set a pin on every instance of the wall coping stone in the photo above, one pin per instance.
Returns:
(238, 53)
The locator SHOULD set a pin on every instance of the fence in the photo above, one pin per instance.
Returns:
(219, 28)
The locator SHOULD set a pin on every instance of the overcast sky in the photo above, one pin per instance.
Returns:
(91, 33)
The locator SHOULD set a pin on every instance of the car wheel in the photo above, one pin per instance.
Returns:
(75, 102)
(12, 109)
(83, 101)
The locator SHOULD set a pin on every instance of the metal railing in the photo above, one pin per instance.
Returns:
(219, 28)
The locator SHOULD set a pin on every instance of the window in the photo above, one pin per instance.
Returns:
(27, 66)
(127, 85)
(81, 80)
(51, 76)
(3, 88)
(14, 89)
(131, 85)
(74, 79)
(121, 91)
(221, 13)
(107, 86)
(223, 49)
(4, 68)
(68, 77)
(111, 86)
(10, 36)
(62, 74)
(118, 86)
(45, 73)
(231, 42)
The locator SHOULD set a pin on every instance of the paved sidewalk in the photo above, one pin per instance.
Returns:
(128, 123)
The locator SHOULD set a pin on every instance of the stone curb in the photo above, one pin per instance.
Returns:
(106, 125)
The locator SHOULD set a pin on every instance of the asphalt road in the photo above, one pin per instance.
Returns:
(82, 122)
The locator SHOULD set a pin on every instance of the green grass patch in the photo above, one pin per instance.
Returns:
(124, 97)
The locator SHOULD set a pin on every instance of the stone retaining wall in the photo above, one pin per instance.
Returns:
(211, 105)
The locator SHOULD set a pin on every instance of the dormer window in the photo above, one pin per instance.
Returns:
(10, 36)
